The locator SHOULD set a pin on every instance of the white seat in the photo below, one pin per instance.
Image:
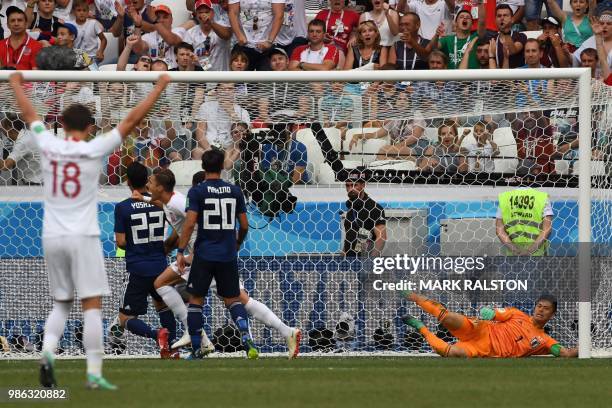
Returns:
(334, 136)
(108, 67)
(431, 134)
(184, 171)
(598, 168)
(507, 147)
(357, 152)
(351, 164)
(533, 34)
(562, 166)
(469, 139)
(313, 149)
(325, 175)
(111, 52)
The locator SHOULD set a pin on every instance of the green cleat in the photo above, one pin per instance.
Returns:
(47, 367)
(412, 322)
(251, 350)
(99, 383)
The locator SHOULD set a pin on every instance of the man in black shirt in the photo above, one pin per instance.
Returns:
(364, 224)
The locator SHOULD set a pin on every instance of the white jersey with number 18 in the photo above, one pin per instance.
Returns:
(71, 170)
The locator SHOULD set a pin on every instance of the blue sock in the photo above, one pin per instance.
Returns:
(195, 322)
(140, 328)
(167, 320)
(241, 319)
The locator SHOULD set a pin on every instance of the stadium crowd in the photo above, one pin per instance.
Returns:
(278, 35)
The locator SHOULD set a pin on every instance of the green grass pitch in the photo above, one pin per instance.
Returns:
(330, 382)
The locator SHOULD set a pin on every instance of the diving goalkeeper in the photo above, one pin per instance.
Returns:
(503, 332)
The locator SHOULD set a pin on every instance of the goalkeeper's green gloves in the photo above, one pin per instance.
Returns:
(486, 313)
(555, 350)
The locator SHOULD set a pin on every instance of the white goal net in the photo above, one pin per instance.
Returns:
(434, 150)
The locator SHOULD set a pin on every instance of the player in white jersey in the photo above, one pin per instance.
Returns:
(71, 234)
(174, 203)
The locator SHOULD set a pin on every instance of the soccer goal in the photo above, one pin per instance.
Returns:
(435, 150)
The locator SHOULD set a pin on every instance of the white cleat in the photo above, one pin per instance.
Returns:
(207, 349)
(183, 341)
(293, 343)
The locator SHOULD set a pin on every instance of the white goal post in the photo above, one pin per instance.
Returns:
(581, 77)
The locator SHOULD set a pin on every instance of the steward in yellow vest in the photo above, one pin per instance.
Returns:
(524, 221)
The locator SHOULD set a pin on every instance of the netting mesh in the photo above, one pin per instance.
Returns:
(435, 154)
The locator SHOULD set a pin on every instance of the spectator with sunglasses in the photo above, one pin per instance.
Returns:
(142, 64)
(210, 39)
(256, 24)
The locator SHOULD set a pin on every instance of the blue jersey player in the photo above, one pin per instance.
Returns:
(140, 229)
(215, 206)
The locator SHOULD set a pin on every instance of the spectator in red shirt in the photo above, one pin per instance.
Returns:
(18, 51)
(339, 23)
(316, 56)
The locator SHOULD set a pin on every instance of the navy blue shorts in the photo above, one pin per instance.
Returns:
(136, 292)
(225, 274)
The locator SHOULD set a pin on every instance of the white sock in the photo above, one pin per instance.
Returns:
(205, 340)
(261, 312)
(174, 301)
(93, 341)
(54, 326)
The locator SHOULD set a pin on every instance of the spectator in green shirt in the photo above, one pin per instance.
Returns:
(456, 45)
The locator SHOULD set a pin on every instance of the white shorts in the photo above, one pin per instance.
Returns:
(77, 263)
(185, 276)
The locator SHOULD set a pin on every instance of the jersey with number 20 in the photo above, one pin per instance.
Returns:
(218, 205)
(71, 170)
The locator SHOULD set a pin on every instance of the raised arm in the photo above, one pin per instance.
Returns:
(137, 114)
(28, 113)
(556, 11)
(482, 19)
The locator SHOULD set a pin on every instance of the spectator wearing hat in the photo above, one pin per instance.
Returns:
(432, 13)
(90, 31)
(554, 54)
(18, 50)
(256, 24)
(160, 43)
(66, 34)
(455, 45)
(365, 225)
(507, 41)
(43, 21)
(210, 39)
(317, 55)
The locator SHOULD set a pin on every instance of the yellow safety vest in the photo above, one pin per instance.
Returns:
(120, 253)
(522, 214)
